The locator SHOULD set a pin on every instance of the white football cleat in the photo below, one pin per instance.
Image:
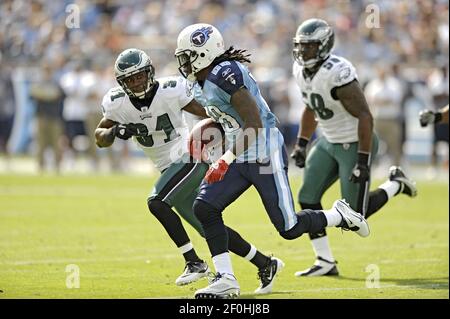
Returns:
(193, 271)
(223, 286)
(351, 220)
(267, 276)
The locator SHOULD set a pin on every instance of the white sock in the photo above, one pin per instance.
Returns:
(322, 248)
(333, 217)
(251, 253)
(222, 263)
(391, 188)
(185, 248)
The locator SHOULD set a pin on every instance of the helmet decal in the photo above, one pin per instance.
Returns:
(200, 36)
(131, 59)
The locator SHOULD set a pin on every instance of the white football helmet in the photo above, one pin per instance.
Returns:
(130, 62)
(197, 46)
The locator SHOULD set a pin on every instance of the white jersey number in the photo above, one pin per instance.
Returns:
(318, 105)
(228, 122)
(163, 123)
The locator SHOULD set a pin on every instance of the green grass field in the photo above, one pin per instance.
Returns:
(102, 225)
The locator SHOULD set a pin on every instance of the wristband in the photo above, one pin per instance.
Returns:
(363, 158)
(302, 142)
(228, 157)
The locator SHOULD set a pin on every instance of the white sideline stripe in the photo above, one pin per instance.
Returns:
(82, 260)
(437, 285)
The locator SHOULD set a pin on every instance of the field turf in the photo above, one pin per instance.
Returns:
(101, 224)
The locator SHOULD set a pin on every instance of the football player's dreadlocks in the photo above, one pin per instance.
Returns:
(234, 55)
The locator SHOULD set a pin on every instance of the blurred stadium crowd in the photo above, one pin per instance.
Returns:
(57, 62)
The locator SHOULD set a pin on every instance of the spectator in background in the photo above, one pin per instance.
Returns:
(438, 82)
(77, 84)
(49, 97)
(410, 33)
(6, 107)
(384, 96)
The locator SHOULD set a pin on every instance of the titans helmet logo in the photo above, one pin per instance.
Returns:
(200, 36)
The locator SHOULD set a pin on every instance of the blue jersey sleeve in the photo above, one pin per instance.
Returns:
(227, 76)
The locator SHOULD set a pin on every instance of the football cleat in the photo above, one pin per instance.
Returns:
(222, 286)
(267, 276)
(407, 186)
(321, 267)
(193, 271)
(351, 220)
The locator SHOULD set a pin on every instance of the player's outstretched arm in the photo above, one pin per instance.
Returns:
(195, 108)
(245, 105)
(104, 133)
(247, 109)
(308, 125)
(354, 101)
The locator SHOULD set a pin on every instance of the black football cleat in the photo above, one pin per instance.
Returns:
(267, 276)
(193, 271)
(407, 185)
(321, 267)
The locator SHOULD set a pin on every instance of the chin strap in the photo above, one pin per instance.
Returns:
(191, 77)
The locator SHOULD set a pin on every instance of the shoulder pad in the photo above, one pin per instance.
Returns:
(341, 71)
(113, 99)
(227, 76)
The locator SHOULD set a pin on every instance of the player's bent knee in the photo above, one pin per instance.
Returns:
(203, 211)
(289, 234)
(155, 205)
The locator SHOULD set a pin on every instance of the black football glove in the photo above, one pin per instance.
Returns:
(122, 131)
(125, 131)
(361, 171)
(429, 117)
(138, 129)
(299, 153)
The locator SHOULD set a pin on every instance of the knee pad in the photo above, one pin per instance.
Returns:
(308, 221)
(204, 211)
(289, 234)
(155, 205)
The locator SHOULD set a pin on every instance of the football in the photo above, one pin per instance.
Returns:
(207, 140)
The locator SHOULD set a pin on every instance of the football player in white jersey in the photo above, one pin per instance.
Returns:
(150, 111)
(336, 104)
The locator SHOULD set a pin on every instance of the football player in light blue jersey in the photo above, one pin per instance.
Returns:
(256, 157)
